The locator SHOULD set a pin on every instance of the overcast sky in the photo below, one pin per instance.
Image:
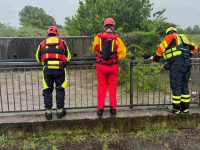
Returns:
(182, 12)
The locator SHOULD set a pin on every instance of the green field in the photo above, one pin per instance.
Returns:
(195, 38)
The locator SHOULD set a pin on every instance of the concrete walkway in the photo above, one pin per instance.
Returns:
(89, 114)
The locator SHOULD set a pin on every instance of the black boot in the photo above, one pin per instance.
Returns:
(185, 107)
(61, 113)
(174, 109)
(113, 112)
(100, 113)
(48, 114)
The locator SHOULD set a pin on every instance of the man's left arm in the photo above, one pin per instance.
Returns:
(121, 49)
(194, 48)
(67, 52)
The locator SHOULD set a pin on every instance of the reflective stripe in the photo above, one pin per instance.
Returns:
(51, 55)
(100, 44)
(185, 100)
(45, 86)
(52, 40)
(171, 50)
(64, 85)
(176, 102)
(178, 40)
(176, 97)
(113, 44)
(185, 96)
(53, 62)
(162, 47)
(68, 55)
(37, 53)
(171, 53)
(165, 44)
(53, 67)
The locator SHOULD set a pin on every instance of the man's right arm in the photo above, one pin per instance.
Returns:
(163, 45)
(95, 44)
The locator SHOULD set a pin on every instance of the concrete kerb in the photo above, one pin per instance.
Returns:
(34, 123)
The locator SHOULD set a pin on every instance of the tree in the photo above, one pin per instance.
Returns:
(196, 29)
(159, 14)
(128, 15)
(180, 30)
(37, 17)
(7, 31)
(188, 30)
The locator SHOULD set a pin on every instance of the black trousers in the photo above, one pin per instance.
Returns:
(49, 78)
(179, 78)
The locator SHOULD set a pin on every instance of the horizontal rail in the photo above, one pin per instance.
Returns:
(21, 85)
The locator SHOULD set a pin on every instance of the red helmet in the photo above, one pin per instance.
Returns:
(52, 30)
(109, 21)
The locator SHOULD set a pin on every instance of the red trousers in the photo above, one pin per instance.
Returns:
(107, 76)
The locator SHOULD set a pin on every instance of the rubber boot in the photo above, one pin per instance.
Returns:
(61, 113)
(100, 113)
(48, 114)
(175, 108)
(185, 107)
(113, 112)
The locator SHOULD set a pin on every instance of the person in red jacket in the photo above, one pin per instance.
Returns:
(53, 53)
(108, 48)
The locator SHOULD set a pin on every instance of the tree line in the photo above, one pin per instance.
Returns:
(136, 22)
(191, 30)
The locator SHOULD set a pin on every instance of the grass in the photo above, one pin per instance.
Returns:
(154, 132)
(194, 37)
(55, 140)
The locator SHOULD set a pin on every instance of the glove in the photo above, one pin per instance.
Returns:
(156, 58)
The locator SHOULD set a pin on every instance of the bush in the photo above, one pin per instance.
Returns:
(144, 43)
(145, 76)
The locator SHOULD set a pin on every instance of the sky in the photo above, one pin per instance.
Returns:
(181, 12)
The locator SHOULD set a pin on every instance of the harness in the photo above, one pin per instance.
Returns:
(107, 53)
(53, 51)
(177, 48)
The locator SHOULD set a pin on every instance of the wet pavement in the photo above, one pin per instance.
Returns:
(89, 114)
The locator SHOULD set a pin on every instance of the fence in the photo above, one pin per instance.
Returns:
(140, 84)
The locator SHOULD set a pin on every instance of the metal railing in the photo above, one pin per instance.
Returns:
(140, 84)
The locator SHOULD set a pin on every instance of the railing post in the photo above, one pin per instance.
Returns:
(131, 81)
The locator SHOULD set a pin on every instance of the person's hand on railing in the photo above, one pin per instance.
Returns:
(151, 58)
(148, 60)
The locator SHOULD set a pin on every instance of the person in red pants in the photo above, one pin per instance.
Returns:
(108, 48)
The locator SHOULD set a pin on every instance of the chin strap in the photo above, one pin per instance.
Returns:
(109, 30)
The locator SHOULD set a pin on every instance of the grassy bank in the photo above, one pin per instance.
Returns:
(155, 132)
(156, 137)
